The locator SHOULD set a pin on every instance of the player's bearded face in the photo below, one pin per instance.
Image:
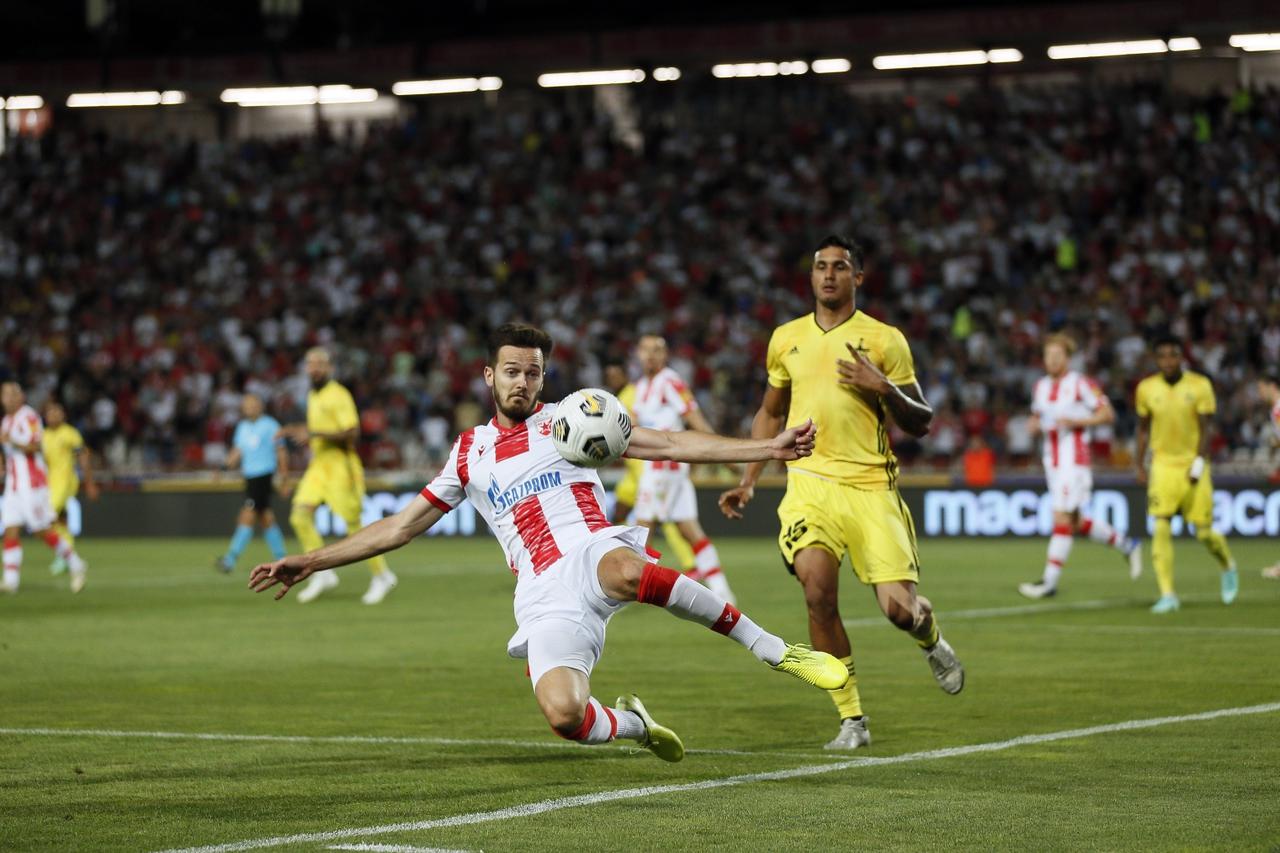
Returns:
(516, 381)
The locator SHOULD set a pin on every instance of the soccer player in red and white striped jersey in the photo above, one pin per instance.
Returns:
(1064, 406)
(574, 569)
(666, 494)
(26, 490)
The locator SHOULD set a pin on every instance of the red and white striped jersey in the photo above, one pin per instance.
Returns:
(23, 470)
(538, 505)
(663, 401)
(1071, 396)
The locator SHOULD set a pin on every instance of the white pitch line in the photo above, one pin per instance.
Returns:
(365, 739)
(397, 848)
(1163, 629)
(559, 803)
(1026, 609)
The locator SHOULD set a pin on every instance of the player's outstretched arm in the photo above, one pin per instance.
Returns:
(691, 446)
(378, 538)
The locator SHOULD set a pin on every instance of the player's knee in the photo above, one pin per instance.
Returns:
(300, 517)
(564, 712)
(822, 601)
(620, 571)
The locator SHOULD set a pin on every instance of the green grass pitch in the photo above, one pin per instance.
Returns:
(160, 643)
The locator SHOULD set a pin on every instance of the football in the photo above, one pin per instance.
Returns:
(591, 428)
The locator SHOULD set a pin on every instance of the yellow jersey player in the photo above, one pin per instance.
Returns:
(1269, 393)
(624, 494)
(1175, 418)
(849, 373)
(334, 476)
(64, 450)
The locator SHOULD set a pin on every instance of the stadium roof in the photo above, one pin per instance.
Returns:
(59, 29)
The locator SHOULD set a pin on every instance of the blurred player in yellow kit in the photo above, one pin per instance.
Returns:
(63, 448)
(1269, 393)
(1175, 417)
(617, 381)
(334, 476)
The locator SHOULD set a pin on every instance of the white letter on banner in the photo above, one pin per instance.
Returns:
(1024, 511)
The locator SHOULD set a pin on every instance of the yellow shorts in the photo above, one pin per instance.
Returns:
(337, 483)
(60, 493)
(1170, 492)
(873, 527)
(628, 486)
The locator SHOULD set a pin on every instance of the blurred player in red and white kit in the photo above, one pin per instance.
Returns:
(574, 569)
(1064, 406)
(666, 493)
(1269, 392)
(26, 490)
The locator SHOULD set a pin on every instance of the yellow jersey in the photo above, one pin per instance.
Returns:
(853, 438)
(1175, 415)
(627, 397)
(331, 409)
(60, 446)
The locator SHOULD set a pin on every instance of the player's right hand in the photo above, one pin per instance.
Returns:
(732, 501)
(286, 573)
(1141, 474)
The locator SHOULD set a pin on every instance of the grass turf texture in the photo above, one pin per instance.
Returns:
(158, 641)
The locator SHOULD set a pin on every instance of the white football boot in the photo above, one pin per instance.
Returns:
(320, 583)
(853, 734)
(946, 666)
(379, 585)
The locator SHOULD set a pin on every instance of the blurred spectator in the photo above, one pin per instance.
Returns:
(156, 280)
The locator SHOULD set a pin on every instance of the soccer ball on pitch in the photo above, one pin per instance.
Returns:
(591, 428)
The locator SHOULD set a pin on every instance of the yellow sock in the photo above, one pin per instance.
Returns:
(1217, 545)
(304, 527)
(926, 636)
(60, 528)
(378, 564)
(847, 700)
(679, 547)
(1162, 555)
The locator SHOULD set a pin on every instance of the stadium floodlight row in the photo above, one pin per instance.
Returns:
(341, 93)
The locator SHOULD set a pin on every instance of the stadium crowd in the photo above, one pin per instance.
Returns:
(149, 282)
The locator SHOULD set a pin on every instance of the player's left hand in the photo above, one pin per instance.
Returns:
(286, 573)
(861, 373)
(795, 443)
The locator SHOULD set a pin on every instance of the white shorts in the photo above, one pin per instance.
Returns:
(561, 613)
(1069, 488)
(29, 508)
(666, 495)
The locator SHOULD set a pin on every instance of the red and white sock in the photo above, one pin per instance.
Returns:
(601, 724)
(667, 588)
(1059, 550)
(706, 568)
(1100, 531)
(12, 562)
(63, 548)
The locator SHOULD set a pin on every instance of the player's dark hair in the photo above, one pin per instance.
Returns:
(518, 335)
(842, 242)
(1272, 378)
(1167, 339)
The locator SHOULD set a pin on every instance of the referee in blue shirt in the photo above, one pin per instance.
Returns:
(260, 454)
